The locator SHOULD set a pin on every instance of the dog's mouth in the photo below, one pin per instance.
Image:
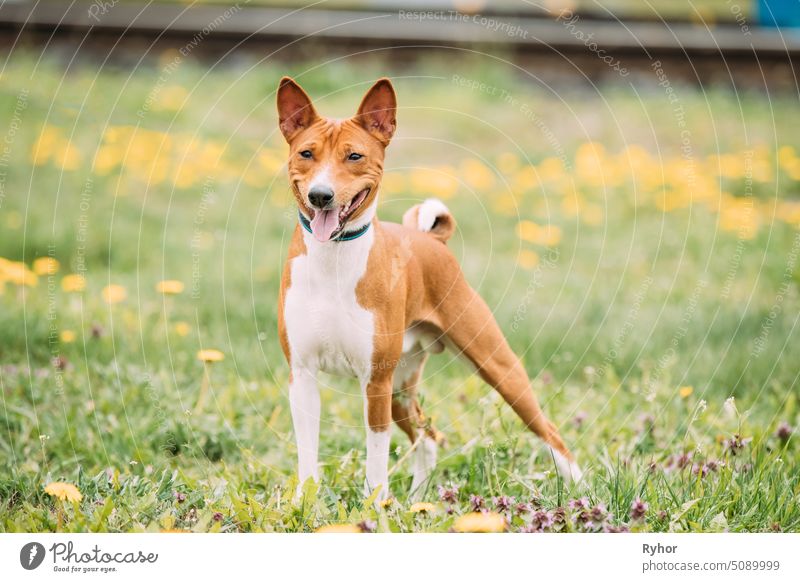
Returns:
(329, 223)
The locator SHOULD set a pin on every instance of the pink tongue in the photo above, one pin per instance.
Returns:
(324, 223)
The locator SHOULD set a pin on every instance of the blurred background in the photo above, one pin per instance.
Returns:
(626, 178)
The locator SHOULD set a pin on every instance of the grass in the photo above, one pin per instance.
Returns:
(652, 292)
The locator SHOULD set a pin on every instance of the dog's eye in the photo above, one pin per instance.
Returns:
(306, 154)
(354, 157)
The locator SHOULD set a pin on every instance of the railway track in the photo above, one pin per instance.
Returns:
(397, 26)
(759, 54)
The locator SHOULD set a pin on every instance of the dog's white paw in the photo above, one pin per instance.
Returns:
(570, 471)
(309, 486)
(422, 464)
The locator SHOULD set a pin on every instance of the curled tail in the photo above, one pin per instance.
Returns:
(433, 217)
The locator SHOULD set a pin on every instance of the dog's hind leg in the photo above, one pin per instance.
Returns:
(408, 415)
(471, 327)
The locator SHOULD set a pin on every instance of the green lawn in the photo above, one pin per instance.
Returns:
(642, 260)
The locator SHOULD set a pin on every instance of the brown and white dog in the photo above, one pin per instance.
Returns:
(365, 298)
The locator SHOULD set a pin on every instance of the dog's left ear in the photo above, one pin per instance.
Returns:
(376, 113)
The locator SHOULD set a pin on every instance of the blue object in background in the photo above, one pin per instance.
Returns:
(781, 13)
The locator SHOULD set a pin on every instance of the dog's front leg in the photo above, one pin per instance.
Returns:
(304, 402)
(378, 417)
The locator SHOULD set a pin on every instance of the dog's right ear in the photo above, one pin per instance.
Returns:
(295, 111)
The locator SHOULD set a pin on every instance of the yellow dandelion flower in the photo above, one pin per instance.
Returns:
(386, 502)
(477, 174)
(786, 155)
(271, 161)
(64, 491)
(440, 182)
(572, 204)
(338, 528)
(528, 259)
(73, 283)
(590, 158)
(552, 169)
(527, 230)
(18, 273)
(592, 214)
(114, 294)
(551, 236)
(115, 133)
(547, 235)
(525, 179)
(794, 170)
(185, 175)
(45, 145)
(210, 154)
(159, 171)
(729, 165)
(107, 158)
(182, 328)
(763, 170)
(740, 215)
(170, 287)
(67, 336)
(207, 357)
(171, 98)
(68, 157)
(46, 266)
(210, 356)
(672, 200)
(393, 183)
(505, 204)
(443, 184)
(422, 507)
(480, 523)
(789, 212)
(256, 177)
(685, 391)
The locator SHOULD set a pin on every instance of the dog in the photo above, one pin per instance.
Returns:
(371, 299)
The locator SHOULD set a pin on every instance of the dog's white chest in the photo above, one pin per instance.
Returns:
(326, 327)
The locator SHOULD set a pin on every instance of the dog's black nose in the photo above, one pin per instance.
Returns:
(320, 196)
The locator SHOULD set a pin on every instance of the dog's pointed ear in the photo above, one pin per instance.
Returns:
(295, 111)
(377, 112)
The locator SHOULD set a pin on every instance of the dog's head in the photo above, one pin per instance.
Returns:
(335, 166)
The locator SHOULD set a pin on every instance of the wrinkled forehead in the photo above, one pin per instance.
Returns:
(335, 134)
